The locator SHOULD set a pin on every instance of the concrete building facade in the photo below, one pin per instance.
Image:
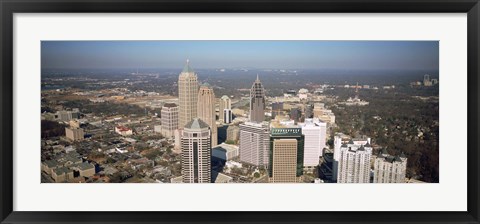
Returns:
(74, 134)
(315, 140)
(254, 143)
(169, 118)
(389, 169)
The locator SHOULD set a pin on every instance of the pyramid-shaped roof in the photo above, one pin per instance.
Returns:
(186, 68)
(196, 123)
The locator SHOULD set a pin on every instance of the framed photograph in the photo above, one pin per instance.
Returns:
(248, 112)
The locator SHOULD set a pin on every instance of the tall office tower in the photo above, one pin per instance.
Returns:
(196, 152)
(206, 109)
(315, 140)
(227, 116)
(254, 144)
(286, 155)
(225, 103)
(277, 108)
(354, 163)
(187, 95)
(257, 102)
(169, 119)
(389, 169)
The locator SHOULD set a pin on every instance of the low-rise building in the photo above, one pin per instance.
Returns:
(233, 133)
(225, 151)
(124, 131)
(74, 134)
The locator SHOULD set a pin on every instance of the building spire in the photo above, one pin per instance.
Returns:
(258, 80)
(187, 68)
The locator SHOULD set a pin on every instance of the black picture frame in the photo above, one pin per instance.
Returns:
(9, 7)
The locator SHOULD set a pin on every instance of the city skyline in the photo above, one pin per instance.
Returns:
(148, 128)
(295, 54)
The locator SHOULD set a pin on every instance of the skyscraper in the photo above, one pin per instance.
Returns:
(389, 169)
(254, 145)
(225, 103)
(206, 109)
(286, 155)
(196, 152)
(315, 140)
(354, 163)
(257, 102)
(187, 95)
(169, 119)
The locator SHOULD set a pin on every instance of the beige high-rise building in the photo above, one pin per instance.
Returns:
(286, 155)
(196, 152)
(187, 95)
(74, 134)
(169, 119)
(225, 103)
(284, 161)
(206, 109)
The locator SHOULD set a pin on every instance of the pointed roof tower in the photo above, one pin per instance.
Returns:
(186, 68)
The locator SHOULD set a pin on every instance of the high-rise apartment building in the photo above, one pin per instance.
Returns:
(257, 102)
(254, 143)
(354, 163)
(187, 95)
(389, 169)
(225, 103)
(206, 109)
(315, 140)
(169, 119)
(196, 152)
(286, 155)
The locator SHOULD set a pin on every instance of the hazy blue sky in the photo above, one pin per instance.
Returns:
(384, 55)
